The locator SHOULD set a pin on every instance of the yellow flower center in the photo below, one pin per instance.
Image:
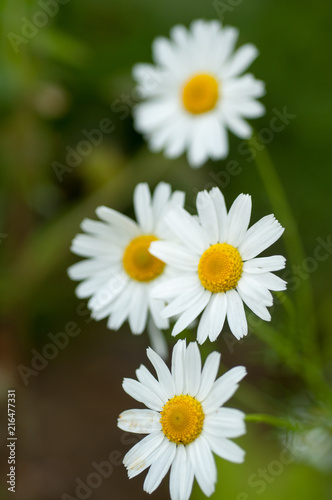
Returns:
(182, 419)
(220, 268)
(200, 94)
(138, 262)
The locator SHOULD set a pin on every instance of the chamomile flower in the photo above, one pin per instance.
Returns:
(119, 270)
(217, 266)
(196, 91)
(185, 422)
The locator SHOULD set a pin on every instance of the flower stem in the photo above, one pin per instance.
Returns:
(264, 418)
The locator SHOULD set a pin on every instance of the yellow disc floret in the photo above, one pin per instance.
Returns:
(138, 262)
(182, 419)
(220, 268)
(200, 94)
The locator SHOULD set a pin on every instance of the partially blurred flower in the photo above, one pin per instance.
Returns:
(185, 421)
(216, 266)
(119, 270)
(195, 92)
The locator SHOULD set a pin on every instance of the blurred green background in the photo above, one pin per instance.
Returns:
(64, 74)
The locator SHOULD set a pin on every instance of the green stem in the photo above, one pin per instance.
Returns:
(304, 297)
(264, 418)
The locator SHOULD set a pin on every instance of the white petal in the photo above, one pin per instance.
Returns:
(181, 476)
(236, 124)
(139, 421)
(164, 375)
(118, 220)
(226, 449)
(191, 313)
(184, 301)
(145, 453)
(193, 367)
(187, 230)
(207, 216)
(213, 318)
(143, 207)
(170, 288)
(159, 468)
(160, 198)
(270, 281)
(88, 267)
(147, 379)
(252, 288)
(208, 376)
(175, 255)
(223, 389)
(90, 286)
(178, 366)
(260, 236)
(157, 339)
(264, 264)
(203, 464)
(236, 316)
(118, 309)
(238, 219)
(256, 306)
(240, 61)
(225, 422)
(92, 246)
(109, 291)
(221, 211)
(197, 151)
(156, 306)
(138, 312)
(142, 394)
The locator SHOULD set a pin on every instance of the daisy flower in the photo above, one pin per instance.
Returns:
(184, 422)
(217, 265)
(195, 92)
(119, 271)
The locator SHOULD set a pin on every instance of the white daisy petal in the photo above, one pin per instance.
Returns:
(226, 449)
(175, 286)
(225, 422)
(143, 207)
(139, 465)
(223, 389)
(181, 476)
(159, 468)
(236, 316)
(118, 221)
(187, 230)
(256, 306)
(155, 307)
(192, 369)
(209, 374)
(207, 216)
(138, 455)
(178, 366)
(191, 313)
(264, 264)
(146, 378)
(183, 302)
(174, 254)
(242, 58)
(251, 287)
(142, 394)
(221, 211)
(139, 421)
(260, 236)
(138, 312)
(203, 464)
(270, 281)
(164, 375)
(213, 318)
(161, 195)
(238, 219)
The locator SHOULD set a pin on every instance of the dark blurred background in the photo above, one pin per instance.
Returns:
(65, 69)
